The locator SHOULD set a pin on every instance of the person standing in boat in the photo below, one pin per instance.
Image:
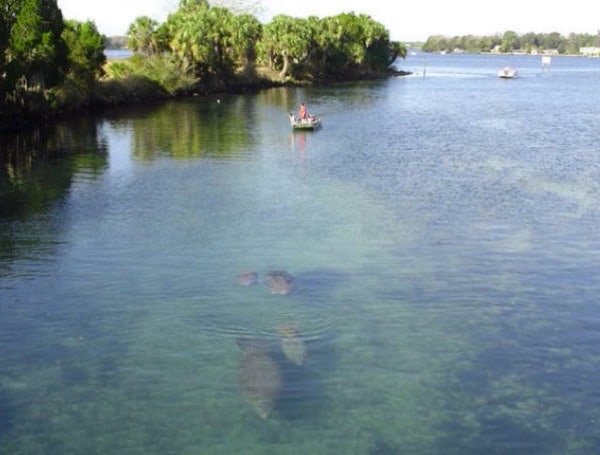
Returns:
(303, 112)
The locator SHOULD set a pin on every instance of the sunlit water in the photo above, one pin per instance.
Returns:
(442, 229)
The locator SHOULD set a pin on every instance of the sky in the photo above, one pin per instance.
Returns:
(413, 20)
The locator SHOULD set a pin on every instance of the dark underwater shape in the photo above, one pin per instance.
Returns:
(259, 377)
(247, 278)
(292, 343)
(279, 282)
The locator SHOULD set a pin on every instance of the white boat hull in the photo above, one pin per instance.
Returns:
(311, 123)
(507, 73)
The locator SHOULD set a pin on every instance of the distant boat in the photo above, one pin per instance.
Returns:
(310, 123)
(508, 72)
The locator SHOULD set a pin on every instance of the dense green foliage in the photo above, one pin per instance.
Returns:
(510, 41)
(36, 53)
(211, 41)
(85, 51)
(47, 63)
(217, 46)
(335, 46)
(34, 57)
(141, 36)
(40, 52)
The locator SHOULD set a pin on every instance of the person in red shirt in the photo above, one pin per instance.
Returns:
(302, 112)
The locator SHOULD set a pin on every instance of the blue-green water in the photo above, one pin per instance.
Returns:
(443, 236)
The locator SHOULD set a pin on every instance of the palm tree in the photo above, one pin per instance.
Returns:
(287, 38)
(141, 36)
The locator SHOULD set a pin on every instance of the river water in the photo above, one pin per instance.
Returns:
(442, 230)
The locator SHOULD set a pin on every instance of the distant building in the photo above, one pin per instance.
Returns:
(590, 51)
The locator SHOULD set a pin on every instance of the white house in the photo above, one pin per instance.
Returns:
(590, 51)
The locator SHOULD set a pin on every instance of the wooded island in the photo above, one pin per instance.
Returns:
(49, 64)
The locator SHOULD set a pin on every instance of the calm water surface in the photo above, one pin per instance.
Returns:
(442, 230)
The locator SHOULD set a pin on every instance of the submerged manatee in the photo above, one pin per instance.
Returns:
(259, 376)
(247, 278)
(279, 282)
(292, 343)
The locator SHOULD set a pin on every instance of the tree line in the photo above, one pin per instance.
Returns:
(47, 62)
(510, 41)
(213, 42)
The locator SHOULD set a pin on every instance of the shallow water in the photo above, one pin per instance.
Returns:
(441, 229)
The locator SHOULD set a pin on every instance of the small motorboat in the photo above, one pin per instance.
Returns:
(310, 123)
(508, 72)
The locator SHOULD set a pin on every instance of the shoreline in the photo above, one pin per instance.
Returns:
(114, 93)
